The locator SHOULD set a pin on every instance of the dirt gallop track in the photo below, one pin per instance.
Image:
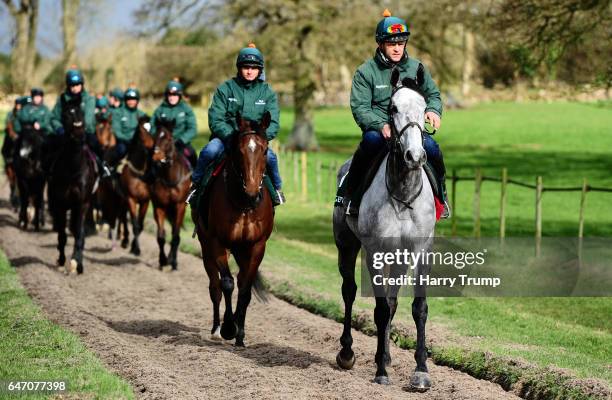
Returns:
(152, 328)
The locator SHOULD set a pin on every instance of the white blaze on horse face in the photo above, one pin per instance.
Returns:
(252, 145)
(410, 108)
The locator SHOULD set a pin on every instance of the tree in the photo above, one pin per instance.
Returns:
(25, 15)
(69, 25)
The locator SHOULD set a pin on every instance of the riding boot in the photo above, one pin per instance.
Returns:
(358, 168)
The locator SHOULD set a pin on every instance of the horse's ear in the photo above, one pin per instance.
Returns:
(238, 119)
(265, 121)
(395, 75)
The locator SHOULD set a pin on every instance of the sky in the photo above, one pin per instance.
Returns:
(109, 18)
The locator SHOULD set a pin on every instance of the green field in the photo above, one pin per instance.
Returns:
(33, 348)
(562, 142)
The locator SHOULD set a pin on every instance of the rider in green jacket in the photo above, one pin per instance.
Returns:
(35, 114)
(125, 122)
(75, 94)
(370, 97)
(249, 95)
(174, 108)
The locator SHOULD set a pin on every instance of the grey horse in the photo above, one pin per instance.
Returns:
(399, 205)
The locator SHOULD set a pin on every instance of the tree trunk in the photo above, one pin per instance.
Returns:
(19, 52)
(302, 135)
(31, 52)
(469, 57)
(69, 24)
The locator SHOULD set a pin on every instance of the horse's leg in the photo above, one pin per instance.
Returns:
(228, 327)
(179, 215)
(133, 210)
(160, 217)
(124, 227)
(420, 379)
(59, 224)
(212, 256)
(78, 220)
(248, 259)
(392, 308)
(38, 209)
(382, 316)
(347, 255)
(23, 207)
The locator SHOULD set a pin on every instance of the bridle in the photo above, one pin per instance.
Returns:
(238, 173)
(396, 136)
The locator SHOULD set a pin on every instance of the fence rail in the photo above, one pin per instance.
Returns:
(309, 178)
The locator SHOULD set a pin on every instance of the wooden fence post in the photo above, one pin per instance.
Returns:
(318, 179)
(538, 216)
(477, 185)
(296, 171)
(304, 176)
(454, 205)
(502, 204)
(582, 203)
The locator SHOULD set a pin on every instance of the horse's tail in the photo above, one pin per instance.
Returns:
(259, 288)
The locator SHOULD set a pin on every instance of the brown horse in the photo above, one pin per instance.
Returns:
(111, 199)
(132, 179)
(240, 219)
(169, 190)
(8, 148)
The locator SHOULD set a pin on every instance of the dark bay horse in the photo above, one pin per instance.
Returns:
(132, 179)
(111, 199)
(169, 190)
(240, 220)
(71, 186)
(8, 147)
(30, 175)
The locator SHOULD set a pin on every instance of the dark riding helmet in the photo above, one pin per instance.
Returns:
(131, 93)
(74, 77)
(250, 56)
(36, 92)
(116, 93)
(391, 29)
(101, 102)
(174, 87)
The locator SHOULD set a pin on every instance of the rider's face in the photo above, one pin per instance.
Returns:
(76, 89)
(173, 99)
(394, 50)
(37, 100)
(131, 103)
(249, 73)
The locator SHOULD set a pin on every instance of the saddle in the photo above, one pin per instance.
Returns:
(368, 177)
(211, 173)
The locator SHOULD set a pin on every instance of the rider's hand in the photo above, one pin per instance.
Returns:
(36, 126)
(433, 119)
(386, 131)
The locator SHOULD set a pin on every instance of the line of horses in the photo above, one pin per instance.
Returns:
(237, 215)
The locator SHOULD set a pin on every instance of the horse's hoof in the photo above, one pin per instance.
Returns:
(61, 269)
(73, 266)
(343, 363)
(239, 344)
(124, 244)
(229, 330)
(135, 251)
(216, 335)
(419, 382)
(382, 380)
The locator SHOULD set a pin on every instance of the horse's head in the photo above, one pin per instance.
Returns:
(30, 151)
(407, 108)
(104, 131)
(143, 132)
(248, 152)
(73, 120)
(164, 150)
